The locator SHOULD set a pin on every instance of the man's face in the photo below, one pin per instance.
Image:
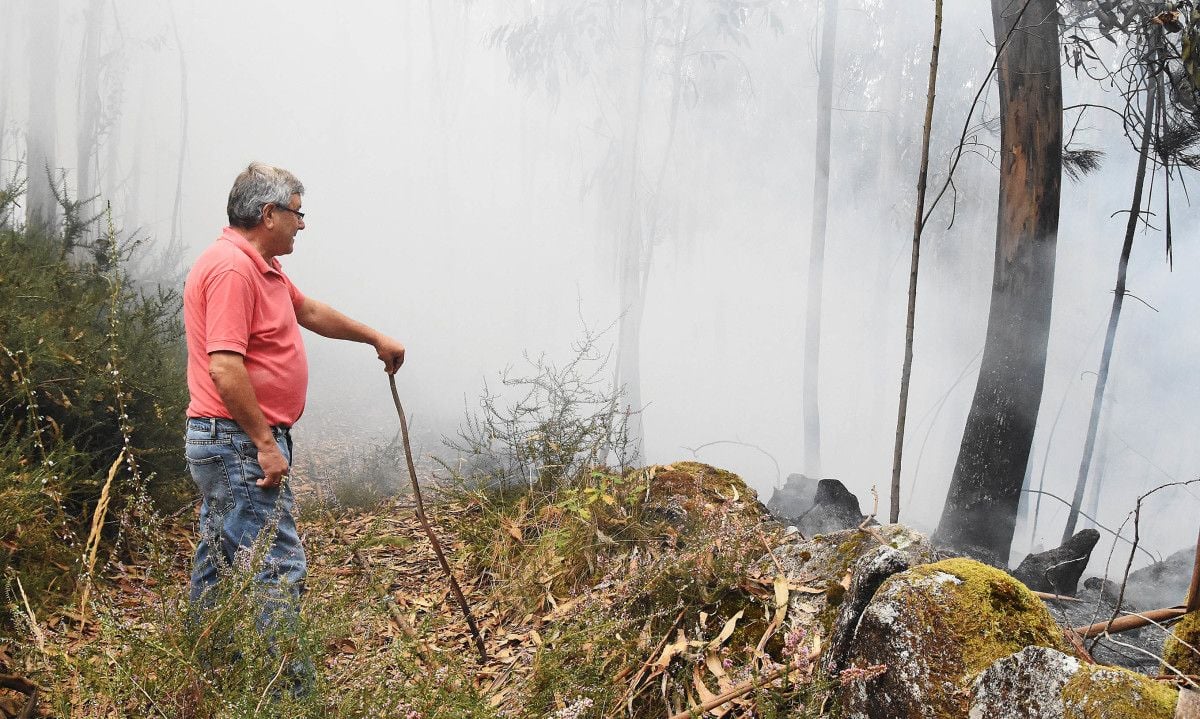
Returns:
(284, 221)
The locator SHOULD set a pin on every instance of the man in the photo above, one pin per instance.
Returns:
(247, 376)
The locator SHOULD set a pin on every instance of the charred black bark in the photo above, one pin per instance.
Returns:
(980, 511)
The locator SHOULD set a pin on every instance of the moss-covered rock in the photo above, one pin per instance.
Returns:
(1097, 692)
(936, 627)
(1178, 652)
(684, 492)
(826, 562)
(1040, 683)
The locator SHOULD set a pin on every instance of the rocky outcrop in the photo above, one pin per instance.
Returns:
(831, 562)
(834, 508)
(868, 574)
(935, 627)
(1163, 584)
(1041, 683)
(1058, 570)
(794, 498)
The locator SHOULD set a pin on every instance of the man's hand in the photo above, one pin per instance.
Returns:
(274, 466)
(391, 352)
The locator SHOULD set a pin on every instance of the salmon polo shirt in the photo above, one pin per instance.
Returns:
(235, 300)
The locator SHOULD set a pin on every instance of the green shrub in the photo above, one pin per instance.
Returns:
(91, 370)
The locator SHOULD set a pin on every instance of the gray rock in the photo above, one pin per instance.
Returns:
(1040, 683)
(1163, 584)
(794, 498)
(834, 508)
(1026, 685)
(869, 572)
(821, 562)
(1058, 570)
(935, 627)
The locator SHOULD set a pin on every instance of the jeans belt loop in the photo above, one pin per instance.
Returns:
(212, 427)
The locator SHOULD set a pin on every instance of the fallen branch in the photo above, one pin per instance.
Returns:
(30, 706)
(17, 683)
(1129, 621)
(739, 690)
(1055, 597)
(1076, 643)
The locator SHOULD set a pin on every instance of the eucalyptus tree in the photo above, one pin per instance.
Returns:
(88, 102)
(638, 60)
(979, 515)
(6, 53)
(41, 137)
(816, 252)
(1158, 77)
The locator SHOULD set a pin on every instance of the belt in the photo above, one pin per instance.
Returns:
(212, 425)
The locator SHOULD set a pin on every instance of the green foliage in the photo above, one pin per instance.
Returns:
(91, 369)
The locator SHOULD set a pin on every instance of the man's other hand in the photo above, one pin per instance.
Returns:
(391, 352)
(274, 466)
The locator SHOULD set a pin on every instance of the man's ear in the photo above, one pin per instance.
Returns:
(268, 218)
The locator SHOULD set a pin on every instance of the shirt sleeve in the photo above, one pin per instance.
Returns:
(230, 308)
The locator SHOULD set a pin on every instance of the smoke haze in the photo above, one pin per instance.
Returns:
(459, 204)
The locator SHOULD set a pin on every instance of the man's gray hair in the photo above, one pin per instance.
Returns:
(258, 185)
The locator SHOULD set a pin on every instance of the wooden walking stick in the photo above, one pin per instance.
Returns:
(437, 548)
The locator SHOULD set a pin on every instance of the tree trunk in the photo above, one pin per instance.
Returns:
(631, 266)
(87, 127)
(914, 265)
(6, 54)
(1114, 316)
(980, 511)
(816, 252)
(41, 207)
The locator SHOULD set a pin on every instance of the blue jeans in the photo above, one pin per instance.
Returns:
(234, 511)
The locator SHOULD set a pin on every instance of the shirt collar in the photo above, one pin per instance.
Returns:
(239, 241)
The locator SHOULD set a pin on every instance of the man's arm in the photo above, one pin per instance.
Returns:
(328, 322)
(228, 372)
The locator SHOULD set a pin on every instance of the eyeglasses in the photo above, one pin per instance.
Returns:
(297, 213)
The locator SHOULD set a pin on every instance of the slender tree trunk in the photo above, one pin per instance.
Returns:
(918, 226)
(87, 127)
(816, 252)
(980, 510)
(1135, 208)
(175, 249)
(41, 162)
(632, 268)
(6, 53)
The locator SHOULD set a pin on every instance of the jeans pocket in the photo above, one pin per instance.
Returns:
(211, 475)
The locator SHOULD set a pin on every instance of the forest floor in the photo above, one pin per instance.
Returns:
(363, 560)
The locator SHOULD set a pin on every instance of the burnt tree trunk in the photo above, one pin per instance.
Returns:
(1135, 212)
(980, 511)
